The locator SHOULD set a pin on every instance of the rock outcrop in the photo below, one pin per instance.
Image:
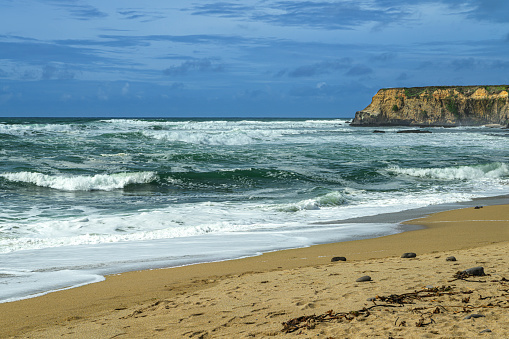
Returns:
(437, 106)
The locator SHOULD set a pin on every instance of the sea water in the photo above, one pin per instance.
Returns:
(82, 198)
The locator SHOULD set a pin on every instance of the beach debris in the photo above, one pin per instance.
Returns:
(310, 321)
(363, 278)
(338, 259)
(402, 323)
(451, 258)
(408, 298)
(485, 331)
(473, 316)
(422, 323)
(474, 271)
(409, 255)
(478, 207)
(424, 310)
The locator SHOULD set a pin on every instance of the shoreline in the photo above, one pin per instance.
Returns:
(397, 218)
(449, 231)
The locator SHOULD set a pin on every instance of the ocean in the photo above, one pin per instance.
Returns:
(84, 198)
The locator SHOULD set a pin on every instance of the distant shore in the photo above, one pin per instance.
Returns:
(253, 296)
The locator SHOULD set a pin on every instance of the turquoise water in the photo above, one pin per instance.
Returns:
(86, 197)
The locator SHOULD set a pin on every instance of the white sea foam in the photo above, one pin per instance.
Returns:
(102, 182)
(477, 172)
(236, 136)
(73, 266)
(26, 284)
(217, 132)
(183, 220)
(223, 132)
(226, 124)
(27, 129)
(203, 138)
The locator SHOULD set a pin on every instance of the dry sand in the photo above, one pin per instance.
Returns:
(252, 297)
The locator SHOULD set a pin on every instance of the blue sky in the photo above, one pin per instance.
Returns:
(253, 58)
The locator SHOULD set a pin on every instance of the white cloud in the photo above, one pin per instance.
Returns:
(125, 89)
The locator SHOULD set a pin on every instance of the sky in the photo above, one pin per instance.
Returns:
(251, 58)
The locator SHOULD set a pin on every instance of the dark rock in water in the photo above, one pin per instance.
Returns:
(451, 258)
(364, 278)
(409, 255)
(413, 131)
(486, 331)
(378, 131)
(478, 271)
(478, 207)
(338, 259)
(473, 316)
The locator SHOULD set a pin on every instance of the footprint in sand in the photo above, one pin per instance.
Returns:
(308, 306)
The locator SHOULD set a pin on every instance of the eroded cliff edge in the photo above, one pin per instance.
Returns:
(437, 106)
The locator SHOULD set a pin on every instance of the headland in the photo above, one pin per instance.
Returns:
(444, 106)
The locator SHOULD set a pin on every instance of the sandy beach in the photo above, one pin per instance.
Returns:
(301, 292)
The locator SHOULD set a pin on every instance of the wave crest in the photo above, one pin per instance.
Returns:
(487, 171)
(98, 182)
(327, 200)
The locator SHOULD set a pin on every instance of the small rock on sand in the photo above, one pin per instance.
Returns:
(473, 316)
(486, 331)
(338, 259)
(409, 255)
(479, 271)
(364, 278)
(451, 258)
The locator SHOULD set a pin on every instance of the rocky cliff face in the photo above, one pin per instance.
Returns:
(437, 106)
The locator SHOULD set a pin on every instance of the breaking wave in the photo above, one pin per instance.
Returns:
(98, 182)
(487, 171)
(327, 200)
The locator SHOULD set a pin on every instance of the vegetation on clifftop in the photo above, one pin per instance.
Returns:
(412, 92)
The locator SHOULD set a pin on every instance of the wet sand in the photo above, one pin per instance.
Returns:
(252, 297)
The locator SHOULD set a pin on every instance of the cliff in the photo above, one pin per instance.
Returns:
(437, 106)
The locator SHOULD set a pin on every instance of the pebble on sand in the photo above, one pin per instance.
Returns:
(409, 255)
(338, 259)
(364, 278)
(473, 316)
(451, 258)
(478, 271)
